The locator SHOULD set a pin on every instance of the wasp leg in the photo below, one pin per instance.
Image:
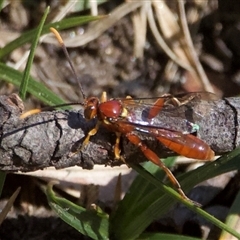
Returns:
(86, 140)
(151, 156)
(90, 134)
(176, 102)
(117, 149)
(170, 99)
(103, 97)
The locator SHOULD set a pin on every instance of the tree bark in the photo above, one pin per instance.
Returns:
(53, 138)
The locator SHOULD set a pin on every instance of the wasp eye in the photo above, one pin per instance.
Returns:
(90, 110)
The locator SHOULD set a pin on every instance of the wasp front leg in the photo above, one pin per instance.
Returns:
(90, 134)
(151, 156)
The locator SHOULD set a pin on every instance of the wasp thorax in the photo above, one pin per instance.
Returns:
(110, 109)
(90, 110)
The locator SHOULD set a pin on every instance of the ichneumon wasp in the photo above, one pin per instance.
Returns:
(151, 116)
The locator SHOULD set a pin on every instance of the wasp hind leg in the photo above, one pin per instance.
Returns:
(151, 156)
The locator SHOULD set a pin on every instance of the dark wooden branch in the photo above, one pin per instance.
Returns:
(52, 138)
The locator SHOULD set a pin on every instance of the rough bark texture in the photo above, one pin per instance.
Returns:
(52, 138)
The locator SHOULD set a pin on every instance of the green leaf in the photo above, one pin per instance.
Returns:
(29, 36)
(154, 204)
(89, 222)
(24, 82)
(37, 89)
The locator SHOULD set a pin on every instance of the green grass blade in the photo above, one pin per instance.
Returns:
(156, 199)
(7, 208)
(89, 222)
(28, 36)
(233, 218)
(1, 4)
(139, 189)
(24, 82)
(165, 236)
(37, 89)
(157, 202)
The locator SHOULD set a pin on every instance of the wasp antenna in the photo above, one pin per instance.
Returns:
(60, 40)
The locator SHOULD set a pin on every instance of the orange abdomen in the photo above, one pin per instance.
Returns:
(192, 148)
